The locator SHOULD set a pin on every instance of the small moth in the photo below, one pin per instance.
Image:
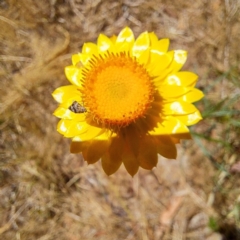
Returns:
(77, 108)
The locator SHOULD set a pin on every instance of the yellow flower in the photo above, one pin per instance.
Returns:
(128, 101)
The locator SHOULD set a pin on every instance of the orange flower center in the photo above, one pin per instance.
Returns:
(117, 90)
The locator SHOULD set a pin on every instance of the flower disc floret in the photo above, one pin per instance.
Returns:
(117, 90)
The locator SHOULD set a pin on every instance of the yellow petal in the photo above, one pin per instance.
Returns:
(124, 47)
(178, 108)
(166, 147)
(190, 119)
(64, 113)
(132, 138)
(76, 128)
(91, 133)
(112, 159)
(103, 43)
(74, 75)
(147, 157)
(90, 49)
(77, 147)
(106, 135)
(193, 96)
(153, 39)
(150, 122)
(174, 140)
(76, 58)
(85, 58)
(141, 44)
(96, 150)
(79, 117)
(63, 125)
(159, 63)
(67, 93)
(130, 161)
(171, 91)
(161, 46)
(125, 35)
(180, 57)
(144, 57)
(170, 125)
(186, 79)
(177, 137)
(113, 38)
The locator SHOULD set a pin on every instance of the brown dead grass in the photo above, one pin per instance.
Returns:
(46, 192)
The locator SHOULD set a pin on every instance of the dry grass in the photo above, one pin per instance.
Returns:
(47, 193)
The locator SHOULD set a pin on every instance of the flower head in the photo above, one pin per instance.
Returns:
(128, 101)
